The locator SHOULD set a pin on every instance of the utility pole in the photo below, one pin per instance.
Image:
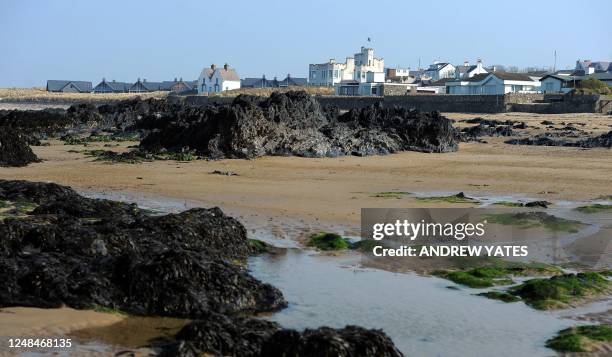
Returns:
(555, 65)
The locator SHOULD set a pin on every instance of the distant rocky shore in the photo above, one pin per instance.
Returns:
(59, 248)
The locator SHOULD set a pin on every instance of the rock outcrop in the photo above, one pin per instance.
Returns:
(80, 252)
(294, 123)
(14, 149)
(59, 248)
(220, 335)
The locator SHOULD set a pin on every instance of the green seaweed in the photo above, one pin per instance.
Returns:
(594, 208)
(258, 247)
(328, 241)
(476, 278)
(494, 271)
(509, 204)
(561, 290)
(365, 245)
(458, 198)
(391, 194)
(526, 220)
(580, 338)
(500, 295)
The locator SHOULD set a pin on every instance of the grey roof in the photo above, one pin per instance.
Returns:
(55, 85)
(512, 76)
(115, 86)
(465, 69)
(152, 86)
(272, 83)
(561, 77)
(119, 86)
(438, 83)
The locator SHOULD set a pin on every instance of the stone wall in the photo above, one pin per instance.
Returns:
(567, 104)
(517, 102)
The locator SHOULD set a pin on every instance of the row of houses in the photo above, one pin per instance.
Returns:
(140, 86)
(365, 74)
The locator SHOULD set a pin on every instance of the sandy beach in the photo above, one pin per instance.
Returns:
(335, 189)
(331, 190)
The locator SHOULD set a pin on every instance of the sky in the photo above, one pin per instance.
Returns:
(160, 40)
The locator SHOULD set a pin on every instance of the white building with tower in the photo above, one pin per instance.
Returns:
(358, 75)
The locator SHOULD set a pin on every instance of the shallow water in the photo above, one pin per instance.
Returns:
(420, 314)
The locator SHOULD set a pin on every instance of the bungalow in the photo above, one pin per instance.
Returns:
(468, 71)
(436, 87)
(68, 86)
(493, 83)
(144, 86)
(274, 83)
(179, 86)
(555, 83)
(216, 80)
(439, 70)
(111, 87)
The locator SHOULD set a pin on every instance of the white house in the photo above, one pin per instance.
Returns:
(439, 70)
(362, 67)
(216, 80)
(468, 71)
(587, 67)
(493, 83)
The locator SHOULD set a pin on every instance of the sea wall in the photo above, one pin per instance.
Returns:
(566, 104)
(423, 102)
(512, 102)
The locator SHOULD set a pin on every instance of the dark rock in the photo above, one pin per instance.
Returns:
(220, 335)
(542, 204)
(325, 341)
(14, 150)
(294, 123)
(82, 252)
(480, 130)
(602, 141)
(547, 122)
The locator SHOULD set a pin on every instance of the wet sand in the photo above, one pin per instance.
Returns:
(336, 188)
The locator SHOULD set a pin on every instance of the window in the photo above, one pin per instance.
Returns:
(336, 73)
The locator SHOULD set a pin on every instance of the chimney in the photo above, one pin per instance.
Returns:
(226, 66)
(175, 79)
(288, 75)
(181, 79)
(144, 80)
(213, 66)
(466, 63)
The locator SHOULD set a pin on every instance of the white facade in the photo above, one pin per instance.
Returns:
(468, 71)
(216, 80)
(493, 83)
(363, 67)
(439, 70)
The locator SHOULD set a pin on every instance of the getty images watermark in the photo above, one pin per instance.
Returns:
(525, 234)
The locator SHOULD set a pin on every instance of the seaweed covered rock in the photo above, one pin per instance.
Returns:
(35, 124)
(294, 123)
(220, 335)
(80, 252)
(14, 150)
(601, 141)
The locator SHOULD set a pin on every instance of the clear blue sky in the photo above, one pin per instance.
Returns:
(160, 40)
